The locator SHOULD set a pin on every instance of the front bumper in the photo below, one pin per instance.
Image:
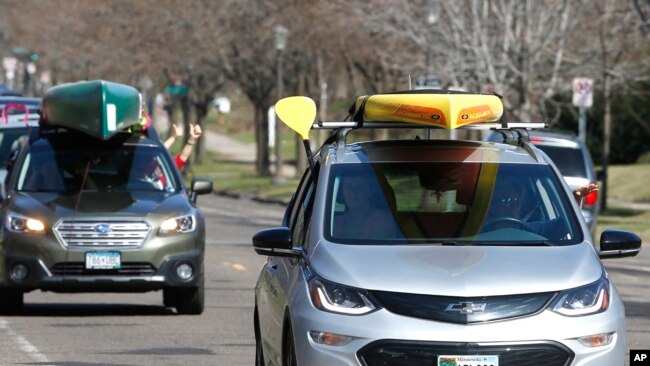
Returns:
(382, 338)
(52, 267)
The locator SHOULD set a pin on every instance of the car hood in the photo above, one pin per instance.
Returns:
(458, 270)
(98, 204)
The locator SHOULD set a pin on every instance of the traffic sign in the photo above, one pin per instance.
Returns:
(583, 92)
(427, 81)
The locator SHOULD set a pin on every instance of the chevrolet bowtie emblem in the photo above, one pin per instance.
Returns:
(466, 307)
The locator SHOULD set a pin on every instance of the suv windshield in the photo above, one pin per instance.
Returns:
(450, 203)
(107, 167)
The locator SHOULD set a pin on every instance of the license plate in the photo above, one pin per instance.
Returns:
(468, 360)
(103, 260)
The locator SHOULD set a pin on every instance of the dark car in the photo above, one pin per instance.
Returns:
(85, 214)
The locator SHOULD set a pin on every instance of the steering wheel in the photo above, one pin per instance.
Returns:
(506, 222)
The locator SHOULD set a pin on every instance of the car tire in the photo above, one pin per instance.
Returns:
(259, 351)
(289, 352)
(11, 301)
(169, 297)
(190, 300)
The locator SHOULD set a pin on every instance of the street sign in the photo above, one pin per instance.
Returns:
(427, 81)
(583, 92)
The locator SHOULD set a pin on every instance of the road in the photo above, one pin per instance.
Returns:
(135, 329)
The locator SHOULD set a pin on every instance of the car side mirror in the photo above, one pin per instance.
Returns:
(200, 186)
(600, 175)
(619, 244)
(275, 242)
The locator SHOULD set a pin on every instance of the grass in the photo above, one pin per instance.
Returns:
(628, 182)
(241, 179)
(624, 219)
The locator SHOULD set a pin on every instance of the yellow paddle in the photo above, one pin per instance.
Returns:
(298, 113)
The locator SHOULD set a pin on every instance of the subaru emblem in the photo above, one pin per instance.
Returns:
(466, 307)
(103, 228)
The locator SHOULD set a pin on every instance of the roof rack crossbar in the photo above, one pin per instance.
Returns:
(322, 125)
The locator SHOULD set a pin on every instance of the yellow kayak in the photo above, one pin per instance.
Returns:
(445, 110)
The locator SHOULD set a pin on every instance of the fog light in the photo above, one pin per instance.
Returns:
(19, 272)
(329, 339)
(184, 271)
(597, 340)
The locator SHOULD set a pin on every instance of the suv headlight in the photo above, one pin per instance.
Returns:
(335, 298)
(22, 224)
(585, 300)
(180, 224)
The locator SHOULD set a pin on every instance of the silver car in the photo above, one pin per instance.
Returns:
(425, 252)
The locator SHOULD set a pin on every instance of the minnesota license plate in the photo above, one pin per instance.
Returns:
(103, 260)
(468, 360)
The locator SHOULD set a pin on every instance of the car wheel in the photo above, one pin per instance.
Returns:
(11, 301)
(190, 300)
(169, 297)
(289, 352)
(259, 351)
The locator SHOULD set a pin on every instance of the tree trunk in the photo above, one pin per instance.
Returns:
(262, 162)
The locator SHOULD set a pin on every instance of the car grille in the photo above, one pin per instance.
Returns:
(408, 353)
(463, 310)
(107, 233)
(78, 269)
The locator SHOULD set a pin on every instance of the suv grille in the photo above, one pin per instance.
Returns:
(106, 233)
(463, 310)
(127, 269)
(409, 353)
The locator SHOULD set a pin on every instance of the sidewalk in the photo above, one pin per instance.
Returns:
(239, 151)
(224, 145)
(640, 206)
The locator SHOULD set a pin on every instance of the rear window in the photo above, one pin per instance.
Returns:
(570, 161)
(449, 203)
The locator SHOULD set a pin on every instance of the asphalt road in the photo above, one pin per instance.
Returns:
(135, 329)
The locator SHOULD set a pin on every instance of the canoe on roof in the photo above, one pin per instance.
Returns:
(99, 108)
(446, 109)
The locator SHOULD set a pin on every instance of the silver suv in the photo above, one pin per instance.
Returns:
(436, 252)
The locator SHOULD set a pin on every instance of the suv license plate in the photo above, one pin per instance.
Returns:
(468, 360)
(103, 260)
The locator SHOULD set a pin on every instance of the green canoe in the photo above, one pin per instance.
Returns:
(99, 108)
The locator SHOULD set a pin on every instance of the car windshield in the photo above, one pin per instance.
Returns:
(10, 141)
(109, 168)
(569, 161)
(458, 203)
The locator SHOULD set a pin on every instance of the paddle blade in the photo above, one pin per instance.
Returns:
(298, 113)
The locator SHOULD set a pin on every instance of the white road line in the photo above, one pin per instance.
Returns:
(23, 344)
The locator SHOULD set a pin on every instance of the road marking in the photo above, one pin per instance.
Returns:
(23, 344)
(236, 266)
(239, 267)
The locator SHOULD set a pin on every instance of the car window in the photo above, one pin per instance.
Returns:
(569, 161)
(125, 167)
(10, 140)
(303, 210)
(448, 203)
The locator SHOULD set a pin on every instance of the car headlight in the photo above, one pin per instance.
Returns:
(335, 298)
(180, 224)
(22, 224)
(585, 300)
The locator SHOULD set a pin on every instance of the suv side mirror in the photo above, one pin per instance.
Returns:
(600, 175)
(275, 242)
(619, 244)
(200, 186)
